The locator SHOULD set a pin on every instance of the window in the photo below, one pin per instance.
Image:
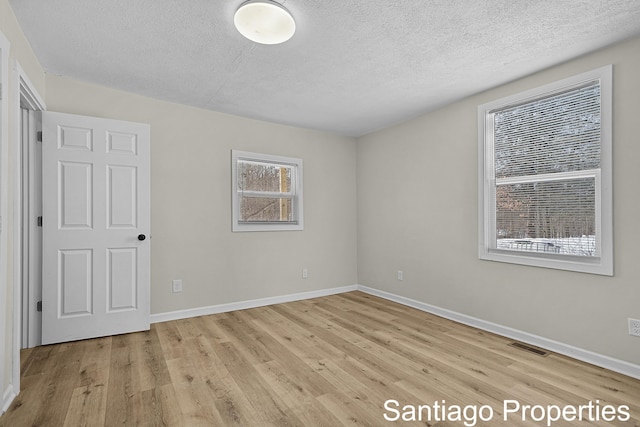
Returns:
(267, 192)
(545, 192)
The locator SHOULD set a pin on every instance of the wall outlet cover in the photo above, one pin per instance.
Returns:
(634, 327)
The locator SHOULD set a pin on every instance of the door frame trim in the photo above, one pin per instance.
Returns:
(24, 91)
(26, 272)
(6, 395)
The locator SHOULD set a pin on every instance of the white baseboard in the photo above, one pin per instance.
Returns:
(243, 305)
(7, 397)
(600, 360)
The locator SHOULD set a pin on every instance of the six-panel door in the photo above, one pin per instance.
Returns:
(95, 206)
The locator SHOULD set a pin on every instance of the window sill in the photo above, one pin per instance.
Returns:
(263, 226)
(591, 265)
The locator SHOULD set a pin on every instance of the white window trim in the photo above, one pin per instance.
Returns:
(602, 264)
(295, 193)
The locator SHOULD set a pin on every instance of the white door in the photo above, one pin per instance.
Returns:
(96, 223)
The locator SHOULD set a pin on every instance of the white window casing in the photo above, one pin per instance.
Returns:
(267, 192)
(552, 174)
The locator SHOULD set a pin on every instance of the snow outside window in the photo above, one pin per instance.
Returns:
(267, 192)
(545, 176)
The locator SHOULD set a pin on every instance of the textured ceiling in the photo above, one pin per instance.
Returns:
(353, 66)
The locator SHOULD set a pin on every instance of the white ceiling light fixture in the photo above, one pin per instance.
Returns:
(264, 21)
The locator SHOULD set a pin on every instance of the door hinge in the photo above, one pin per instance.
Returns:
(39, 306)
(39, 136)
(39, 221)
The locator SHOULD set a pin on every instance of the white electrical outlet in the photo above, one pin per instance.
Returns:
(400, 275)
(177, 285)
(305, 273)
(634, 327)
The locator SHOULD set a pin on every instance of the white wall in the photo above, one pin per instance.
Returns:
(417, 212)
(191, 201)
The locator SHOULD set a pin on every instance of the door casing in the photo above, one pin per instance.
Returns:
(27, 207)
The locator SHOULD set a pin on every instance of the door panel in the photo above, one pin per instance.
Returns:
(75, 192)
(122, 185)
(122, 279)
(95, 204)
(75, 283)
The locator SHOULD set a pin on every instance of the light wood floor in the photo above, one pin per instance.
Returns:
(328, 361)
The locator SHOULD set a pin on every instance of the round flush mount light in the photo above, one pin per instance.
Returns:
(264, 21)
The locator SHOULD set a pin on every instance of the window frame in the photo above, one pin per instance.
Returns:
(296, 193)
(487, 242)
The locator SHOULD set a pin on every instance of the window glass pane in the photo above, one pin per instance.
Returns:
(268, 192)
(554, 216)
(265, 209)
(254, 176)
(556, 134)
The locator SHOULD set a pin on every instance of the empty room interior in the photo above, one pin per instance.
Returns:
(287, 212)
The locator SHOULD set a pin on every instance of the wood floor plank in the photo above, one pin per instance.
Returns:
(192, 396)
(159, 406)
(170, 339)
(39, 360)
(297, 340)
(62, 378)
(268, 404)
(121, 386)
(200, 371)
(313, 413)
(87, 407)
(151, 366)
(295, 383)
(348, 410)
(247, 338)
(195, 395)
(329, 361)
(231, 403)
(25, 407)
(209, 329)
